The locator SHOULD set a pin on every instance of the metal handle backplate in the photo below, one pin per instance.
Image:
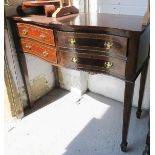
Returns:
(42, 36)
(72, 41)
(28, 47)
(24, 31)
(108, 64)
(74, 60)
(45, 54)
(108, 44)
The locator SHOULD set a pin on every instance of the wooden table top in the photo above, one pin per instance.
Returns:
(112, 21)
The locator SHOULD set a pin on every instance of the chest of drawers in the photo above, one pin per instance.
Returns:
(92, 52)
(37, 33)
(116, 45)
(37, 41)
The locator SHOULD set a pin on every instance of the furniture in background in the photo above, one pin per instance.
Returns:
(50, 8)
(116, 45)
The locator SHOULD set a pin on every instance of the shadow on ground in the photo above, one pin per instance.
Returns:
(103, 136)
(46, 100)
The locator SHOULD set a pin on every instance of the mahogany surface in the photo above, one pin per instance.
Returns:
(99, 20)
(91, 62)
(100, 43)
(39, 3)
(41, 50)
(95, 42)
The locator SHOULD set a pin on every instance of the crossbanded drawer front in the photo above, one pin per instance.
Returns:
(35, 32)
(92, 62)
(99, 42)
(43, 51)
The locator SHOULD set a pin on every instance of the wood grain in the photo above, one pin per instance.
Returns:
(37, 33)
(93, 41)
(43, 51)
(91, 62)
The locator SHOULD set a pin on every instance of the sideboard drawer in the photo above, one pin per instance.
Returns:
(43, 35)
(43, 51)
(91, 62)
(95, 42)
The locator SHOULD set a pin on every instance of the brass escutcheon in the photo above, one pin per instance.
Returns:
(108, 44)
(28, 47)
(72, 41)
(45, 54)
(74, 60)
(108, 64)
(24, 31)
(42, 36)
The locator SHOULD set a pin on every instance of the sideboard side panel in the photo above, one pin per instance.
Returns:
(144, 46)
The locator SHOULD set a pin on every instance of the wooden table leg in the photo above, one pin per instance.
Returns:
(24, 71)
(147, 146)
(128, 95)
(56, 75)
(22, 64)
(141, 90)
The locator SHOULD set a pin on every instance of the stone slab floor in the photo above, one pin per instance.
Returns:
(68, 126)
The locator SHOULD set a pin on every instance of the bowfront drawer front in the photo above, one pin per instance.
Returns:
(36, 32)
(92, 62)
(43, 51)
(103, 43)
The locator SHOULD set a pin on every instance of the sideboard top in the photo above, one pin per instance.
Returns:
(113, 21)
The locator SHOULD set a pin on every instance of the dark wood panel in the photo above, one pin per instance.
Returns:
(40, 3)
(36, 32)
(91, 62)
(144, 47)
(43, 51)
(90, 41)
(100, 20)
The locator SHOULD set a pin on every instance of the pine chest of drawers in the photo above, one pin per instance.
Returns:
(116, 45)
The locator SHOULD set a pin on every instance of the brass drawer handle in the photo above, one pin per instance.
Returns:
(28, 47)
(74, 60)
(45, 54)
(24, 31)
(108, 64)
(42, 36)
(108, 44)
(72, 41)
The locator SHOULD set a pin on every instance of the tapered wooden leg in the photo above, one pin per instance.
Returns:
(147, 146)
(22, 64)
(24, 71)
(141, 90)
(128, 95)
(55, 70)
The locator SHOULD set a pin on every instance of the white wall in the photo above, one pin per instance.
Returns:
(129, 7)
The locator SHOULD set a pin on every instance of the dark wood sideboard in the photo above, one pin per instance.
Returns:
(116, 45)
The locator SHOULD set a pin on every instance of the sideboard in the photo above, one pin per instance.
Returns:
(116, 45)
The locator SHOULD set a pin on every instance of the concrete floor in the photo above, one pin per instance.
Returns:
(67, 126)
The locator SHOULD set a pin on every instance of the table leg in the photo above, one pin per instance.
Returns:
(141, 90)
(56, 75)
(128, 95)
(24, 71)
(147, 146)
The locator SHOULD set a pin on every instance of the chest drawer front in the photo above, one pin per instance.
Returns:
(92, 63)
(35, 32)
(103, 43)
(43, 51)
